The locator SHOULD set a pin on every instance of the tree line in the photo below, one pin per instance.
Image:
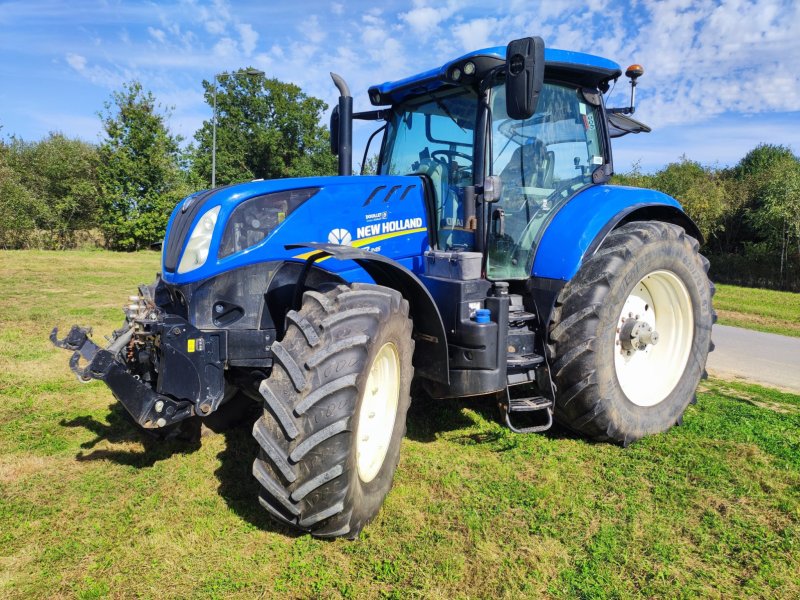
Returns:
(749, 214)
(60, 193)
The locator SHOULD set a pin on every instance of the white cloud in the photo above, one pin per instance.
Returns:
(312, 29)
(425, 20)
(226, 48)
(337, 8)
(478, 33)
(704, 59)
(249, 38)
(111, 77)
(157, 34)
(76, 61)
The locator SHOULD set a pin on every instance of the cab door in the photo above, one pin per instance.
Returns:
(542, 162)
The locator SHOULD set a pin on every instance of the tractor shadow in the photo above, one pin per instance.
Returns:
(121, 430)
(429, 418)
(135, 447)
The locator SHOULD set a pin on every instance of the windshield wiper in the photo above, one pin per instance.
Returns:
(446, 111)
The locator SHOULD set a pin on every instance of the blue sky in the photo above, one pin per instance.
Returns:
(720, 76)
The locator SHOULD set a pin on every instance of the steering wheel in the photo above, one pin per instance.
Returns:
(450, 154)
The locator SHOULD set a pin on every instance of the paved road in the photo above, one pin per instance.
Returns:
(758, 357)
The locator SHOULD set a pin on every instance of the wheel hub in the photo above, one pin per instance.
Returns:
(636, 335)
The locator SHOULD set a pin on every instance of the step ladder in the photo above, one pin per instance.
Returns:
(527, 405)
(523, 367)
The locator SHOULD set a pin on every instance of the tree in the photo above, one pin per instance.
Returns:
(770, 177)
(18, 209)
(699, 189)
(140, 169)
(265, 129)
(702, 191)
(50, 187)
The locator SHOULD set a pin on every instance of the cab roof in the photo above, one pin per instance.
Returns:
(583, 69)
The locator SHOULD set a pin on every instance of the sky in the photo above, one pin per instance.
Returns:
(720, 76)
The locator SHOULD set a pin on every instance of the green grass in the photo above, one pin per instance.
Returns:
(762, 310)
(92, 508)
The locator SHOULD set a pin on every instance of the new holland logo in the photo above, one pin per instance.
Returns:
(340, 236)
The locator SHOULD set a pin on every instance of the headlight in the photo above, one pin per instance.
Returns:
(196, 252)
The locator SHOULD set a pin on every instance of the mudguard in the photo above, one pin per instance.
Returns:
(581, 225)
(431, 359)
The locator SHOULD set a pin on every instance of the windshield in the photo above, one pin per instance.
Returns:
(433, 135)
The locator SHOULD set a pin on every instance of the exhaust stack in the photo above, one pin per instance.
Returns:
(344, 132)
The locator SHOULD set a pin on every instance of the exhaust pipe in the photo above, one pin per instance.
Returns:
(345, 128)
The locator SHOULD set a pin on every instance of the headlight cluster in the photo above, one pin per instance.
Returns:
(256, 218)
(196, 252)
(248, 225)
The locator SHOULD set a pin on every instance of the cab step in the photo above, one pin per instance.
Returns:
(532, 404)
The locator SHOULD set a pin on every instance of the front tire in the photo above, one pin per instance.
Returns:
(334, 410)
(631, 333)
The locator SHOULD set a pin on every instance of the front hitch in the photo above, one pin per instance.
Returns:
(148, 408)
(84, 348)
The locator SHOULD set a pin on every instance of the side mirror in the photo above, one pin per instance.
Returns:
(524, 76)
(334, 129)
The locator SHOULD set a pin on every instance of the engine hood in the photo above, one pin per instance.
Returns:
(384, 214)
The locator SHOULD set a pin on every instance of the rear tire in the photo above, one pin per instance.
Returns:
(647, 273)
(334, 410)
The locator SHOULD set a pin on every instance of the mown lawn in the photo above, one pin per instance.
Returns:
(92, 508)
(762, 310)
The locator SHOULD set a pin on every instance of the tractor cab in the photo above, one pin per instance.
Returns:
(452, 126)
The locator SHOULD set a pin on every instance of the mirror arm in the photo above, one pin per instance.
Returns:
(372, 115)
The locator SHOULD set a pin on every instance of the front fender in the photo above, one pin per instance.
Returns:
(430, 354)
(581, 225)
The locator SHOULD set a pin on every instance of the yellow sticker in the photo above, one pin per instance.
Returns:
(190, 346)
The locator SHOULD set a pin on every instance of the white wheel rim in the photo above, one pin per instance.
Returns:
(378, 412)
(662, 301)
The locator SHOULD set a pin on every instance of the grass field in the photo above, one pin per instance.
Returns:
(762, 310)
(92, 508)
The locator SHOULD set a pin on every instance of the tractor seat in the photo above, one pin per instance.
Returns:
(531, 165)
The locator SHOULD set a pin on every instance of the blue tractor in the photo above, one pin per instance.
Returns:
(489, 256)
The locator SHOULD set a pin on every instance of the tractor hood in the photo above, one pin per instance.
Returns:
(230, 227)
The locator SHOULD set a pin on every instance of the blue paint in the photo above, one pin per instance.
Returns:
(434, 78)
(574, 227)
(339, 204)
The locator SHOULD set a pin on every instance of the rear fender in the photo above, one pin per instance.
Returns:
(579, 228)
(430, 353)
